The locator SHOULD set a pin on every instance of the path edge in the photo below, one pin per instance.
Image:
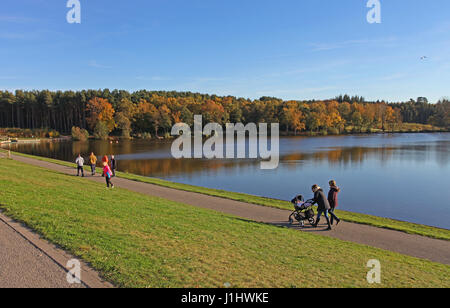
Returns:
(89, 277)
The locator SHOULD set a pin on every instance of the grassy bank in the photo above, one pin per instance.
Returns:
(380, 222)
(140, 241)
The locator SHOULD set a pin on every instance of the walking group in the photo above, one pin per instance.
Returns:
(325, 206)
(109, 167)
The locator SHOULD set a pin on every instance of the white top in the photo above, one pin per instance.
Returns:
(80, 161)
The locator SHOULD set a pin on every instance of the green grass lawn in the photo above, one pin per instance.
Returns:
(140, 241)
(380, 222)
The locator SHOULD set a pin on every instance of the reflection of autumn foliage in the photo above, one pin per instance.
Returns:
(166, 167)
(343, 155)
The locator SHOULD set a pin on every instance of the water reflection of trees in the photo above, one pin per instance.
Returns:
(171, 167)
(166, 166)
(357, 155)
(344, 157)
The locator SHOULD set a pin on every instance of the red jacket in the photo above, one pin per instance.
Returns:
(107, 171)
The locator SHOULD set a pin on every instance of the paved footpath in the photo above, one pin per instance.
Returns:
(24, 266)
(412, 245)
(27, 261)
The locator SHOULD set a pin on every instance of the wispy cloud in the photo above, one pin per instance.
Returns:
(8, 77)
(34, 34)
(94, 64)
(350, 43)
(325, 66)
(16, 36)
(17, 19)
(393, 77)
(302, 91)
(152, 78)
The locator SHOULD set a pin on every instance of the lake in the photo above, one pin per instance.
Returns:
(400, 176)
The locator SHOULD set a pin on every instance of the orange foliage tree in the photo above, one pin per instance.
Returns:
(100, 110)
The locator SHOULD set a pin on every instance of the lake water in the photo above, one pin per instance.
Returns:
(400, 176)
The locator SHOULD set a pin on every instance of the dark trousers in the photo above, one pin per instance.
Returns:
(108, 181)
(93, 169)
(319, 214)
(114, 172)
(333, 216)
(78, 171)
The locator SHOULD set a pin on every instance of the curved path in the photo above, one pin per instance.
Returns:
(27, 261)
(408, 244)
(24, 266)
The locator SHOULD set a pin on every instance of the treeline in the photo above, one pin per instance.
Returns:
(152, 113)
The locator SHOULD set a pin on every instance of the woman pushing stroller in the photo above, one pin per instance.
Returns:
(323, 206)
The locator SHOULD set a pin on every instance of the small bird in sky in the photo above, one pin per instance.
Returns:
(423, 58)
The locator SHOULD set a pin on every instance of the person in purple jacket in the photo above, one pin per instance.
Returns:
(333, 200)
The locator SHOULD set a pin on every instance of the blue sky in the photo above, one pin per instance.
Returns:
(290, 49)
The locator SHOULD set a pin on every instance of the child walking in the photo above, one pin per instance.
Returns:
(108, 174)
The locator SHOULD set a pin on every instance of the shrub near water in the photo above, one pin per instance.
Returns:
(79, 134)
(28, 133)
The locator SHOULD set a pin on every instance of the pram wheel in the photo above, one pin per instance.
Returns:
(312, 221)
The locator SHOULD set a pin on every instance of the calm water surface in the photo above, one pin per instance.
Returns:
(401, 176)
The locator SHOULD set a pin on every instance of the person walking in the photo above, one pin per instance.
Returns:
(104, 160)
(333, 200)
(113, 165)
(108, 174)
(93, 161)
(80, 164)
(323, 205)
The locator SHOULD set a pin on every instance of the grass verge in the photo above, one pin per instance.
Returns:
(371, 220)
(135, 240)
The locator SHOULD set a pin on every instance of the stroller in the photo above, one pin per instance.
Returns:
(303, 211)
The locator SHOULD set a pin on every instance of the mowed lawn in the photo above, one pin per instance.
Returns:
(359, 218)
(139, 241)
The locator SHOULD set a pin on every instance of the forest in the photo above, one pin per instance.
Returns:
(148, 114)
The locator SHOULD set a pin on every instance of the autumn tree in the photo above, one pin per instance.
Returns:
(165, 119)
(292, 117)
(100, 110)
(147, 118)
(153, 112)
(213, 112)
(125, 112)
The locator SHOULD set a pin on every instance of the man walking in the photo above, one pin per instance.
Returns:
(80, 163)
(93, 161)
(113, 165)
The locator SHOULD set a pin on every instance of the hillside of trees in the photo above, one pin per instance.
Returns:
(153, 113)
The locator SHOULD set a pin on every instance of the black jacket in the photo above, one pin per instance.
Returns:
(321, 200)
(113, 164)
